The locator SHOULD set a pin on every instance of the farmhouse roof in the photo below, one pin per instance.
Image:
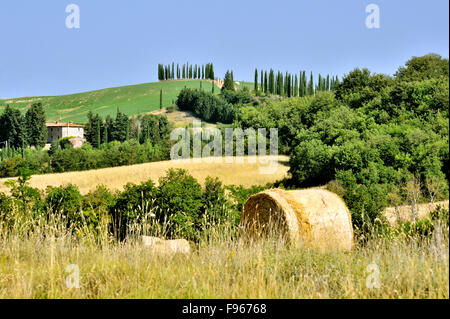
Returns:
(62, 124)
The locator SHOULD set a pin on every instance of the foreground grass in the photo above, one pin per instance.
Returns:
(34, 266)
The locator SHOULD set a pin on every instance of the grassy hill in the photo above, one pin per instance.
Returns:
(131, 100)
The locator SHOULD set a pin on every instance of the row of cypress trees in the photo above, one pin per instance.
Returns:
(187, 71)
(291, 85)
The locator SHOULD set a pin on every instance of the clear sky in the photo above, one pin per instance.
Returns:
(121, 42)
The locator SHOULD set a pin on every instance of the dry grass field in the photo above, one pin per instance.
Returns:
(404, 213)
(245, 173)
(37, 266)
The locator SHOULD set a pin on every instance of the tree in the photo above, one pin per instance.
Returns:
(120, 127)
(36, 129)
(256, 81)
(422, 68)
(92, 129)
(160, 99)
(228, 83)
(311, 85)
(265, 82)
(271, 82)
(12, 128)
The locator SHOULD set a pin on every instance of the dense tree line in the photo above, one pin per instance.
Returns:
(148, 127)
(374, 139)
(213, 108)
(186, 71)
(110, 142)
(290, 85)
(18, 131)
(207, 106)
(178, 202)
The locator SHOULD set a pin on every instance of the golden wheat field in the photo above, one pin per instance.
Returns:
(241, 171)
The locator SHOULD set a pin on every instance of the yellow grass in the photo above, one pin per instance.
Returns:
(35, 266)
(246, 174)
(404, 213)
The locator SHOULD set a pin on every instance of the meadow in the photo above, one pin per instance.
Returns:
(34, 260)
(131, 100)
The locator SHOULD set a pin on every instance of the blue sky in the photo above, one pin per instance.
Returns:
(121, 42)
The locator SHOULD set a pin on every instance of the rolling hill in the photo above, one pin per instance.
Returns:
(131, 100)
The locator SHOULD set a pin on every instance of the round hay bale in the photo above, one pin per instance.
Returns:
(312, 217)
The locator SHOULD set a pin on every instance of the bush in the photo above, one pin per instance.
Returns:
(132, 206)
(10, 167)
(66, 201)
(180, 203)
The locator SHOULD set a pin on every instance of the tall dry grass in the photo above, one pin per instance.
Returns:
(34, 256)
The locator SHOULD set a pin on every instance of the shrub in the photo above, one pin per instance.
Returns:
(132, 206)
(66, 201)
(180, 203)
(10, 167)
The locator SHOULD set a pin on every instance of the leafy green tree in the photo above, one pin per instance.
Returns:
(422, 68)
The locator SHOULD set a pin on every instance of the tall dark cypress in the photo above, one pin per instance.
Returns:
(271, 82)
(262, 81)
(160, 99)
(296, 86)
(256, 80)
(265, 82)
(311, 85)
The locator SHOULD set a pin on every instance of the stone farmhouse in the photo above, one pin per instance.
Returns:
(58, 130)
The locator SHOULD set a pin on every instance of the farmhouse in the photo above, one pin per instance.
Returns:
(58, 130)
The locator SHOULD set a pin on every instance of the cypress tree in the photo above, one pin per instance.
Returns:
(271, 82)
(12, 128)
(311, 85)
(256, 80)
(98, 131)
(262, 81)
(105, 133)
(265, 82)
(228, 83)
(35, 127)
(296, 86)
(160, 99)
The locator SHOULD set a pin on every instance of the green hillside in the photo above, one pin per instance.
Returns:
(131, 100)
